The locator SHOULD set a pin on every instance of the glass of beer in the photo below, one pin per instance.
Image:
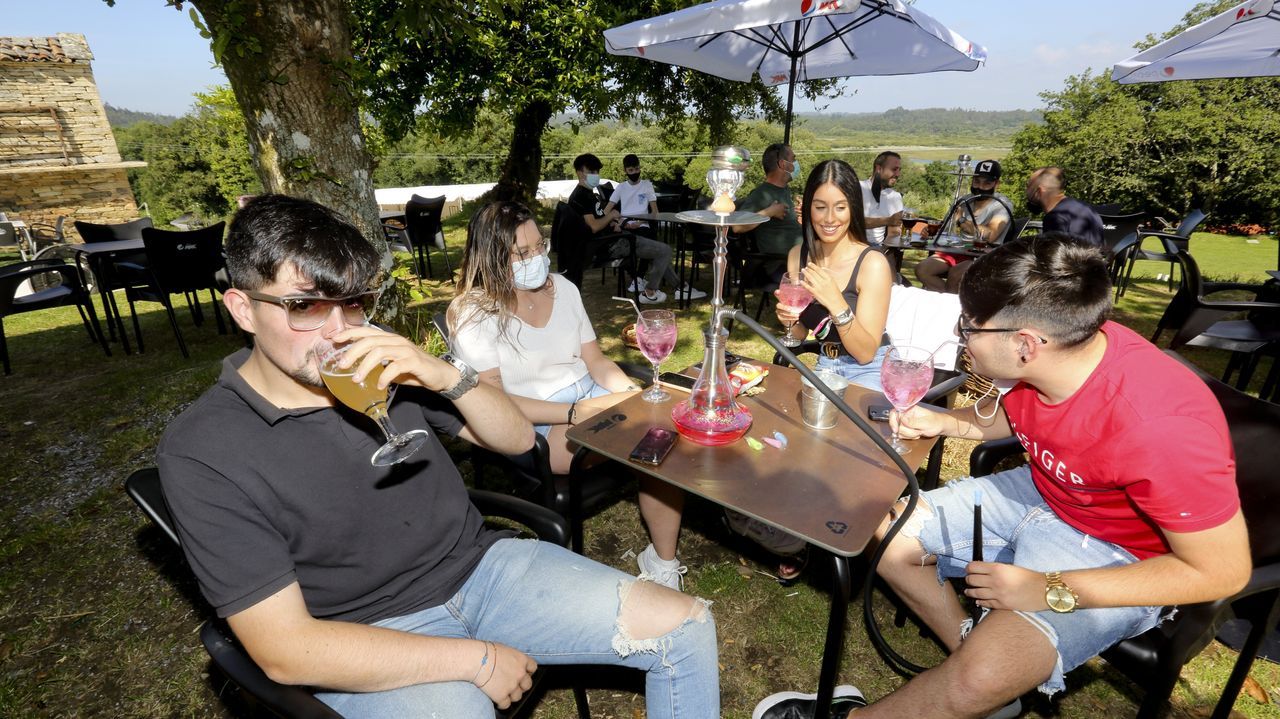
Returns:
(367, 398)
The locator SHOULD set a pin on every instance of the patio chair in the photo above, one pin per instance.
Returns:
(94, 232)
(59, 286)
(1119, 238)
(185, 262)
(576, 495)
(1196, 321)
(578, 249)
(1171, 243)
(296, 702)
(11, 235)
(1155, 658)
(423, 229)
(42, 233)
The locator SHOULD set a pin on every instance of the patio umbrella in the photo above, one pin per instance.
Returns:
(1241, 42)
(790, 41)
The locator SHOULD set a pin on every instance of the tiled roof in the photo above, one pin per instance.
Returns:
(65, 48)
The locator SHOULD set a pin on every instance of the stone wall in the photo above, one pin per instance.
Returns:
(102, 196)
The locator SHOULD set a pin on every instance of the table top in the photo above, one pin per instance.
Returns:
(832, 487)
(653, 216)
(99, 248)
(897, 243)
(1274, 273)
(390, 214)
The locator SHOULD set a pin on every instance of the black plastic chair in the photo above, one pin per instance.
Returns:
(424, 229)
(1155, 658)
(1119, 239)
(295, 702)
(53, 283)
(94, 232)
(578, 249)
(1171, 243)
(1197, 321)
(185, 262)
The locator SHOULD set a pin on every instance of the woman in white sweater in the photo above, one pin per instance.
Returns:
(526, 331)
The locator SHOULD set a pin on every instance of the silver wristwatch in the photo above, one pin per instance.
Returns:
(844, 317)
(466, 382)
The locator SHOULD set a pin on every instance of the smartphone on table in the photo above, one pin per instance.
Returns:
(654, 446)
(677, 381)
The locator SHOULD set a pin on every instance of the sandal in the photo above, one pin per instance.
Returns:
(790, 568)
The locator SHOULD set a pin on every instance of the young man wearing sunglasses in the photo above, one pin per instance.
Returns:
(380, 586)
(1128, 504)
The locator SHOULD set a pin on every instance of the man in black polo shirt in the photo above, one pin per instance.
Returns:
(380, 586)
(1061, 213)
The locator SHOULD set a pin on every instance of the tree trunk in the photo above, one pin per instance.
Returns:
(285, 61)
(523, 167)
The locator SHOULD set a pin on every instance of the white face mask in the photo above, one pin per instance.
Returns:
(1000, 387)
(532, 273)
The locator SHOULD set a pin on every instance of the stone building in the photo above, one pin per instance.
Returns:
(57, 153)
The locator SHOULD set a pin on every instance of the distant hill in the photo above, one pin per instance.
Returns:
(120, 117)
(932, 126)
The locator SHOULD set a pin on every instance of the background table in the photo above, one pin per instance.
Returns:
(99, 255)
(832, 487)
(670, 229)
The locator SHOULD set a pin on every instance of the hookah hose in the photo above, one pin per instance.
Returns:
(899, 662)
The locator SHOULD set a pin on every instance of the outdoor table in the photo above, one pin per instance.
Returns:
(99, 255)
(895, 247)
(831, 487)
(670, 230)
(385, 215)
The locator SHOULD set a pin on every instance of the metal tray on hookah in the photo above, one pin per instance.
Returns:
(707, 217)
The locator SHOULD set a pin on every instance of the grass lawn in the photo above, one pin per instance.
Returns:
(98, 616)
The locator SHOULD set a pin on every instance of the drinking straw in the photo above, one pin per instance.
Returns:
(633, 305)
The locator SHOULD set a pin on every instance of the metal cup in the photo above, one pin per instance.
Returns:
(816, 410)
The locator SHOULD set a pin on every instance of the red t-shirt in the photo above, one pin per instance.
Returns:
(1141, 446)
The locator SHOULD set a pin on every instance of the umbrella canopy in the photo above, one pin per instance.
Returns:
(1241, 42)
(790, 41)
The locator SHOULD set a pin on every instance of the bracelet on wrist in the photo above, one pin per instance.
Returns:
(495, 667)
(568, 419)
(484, 661)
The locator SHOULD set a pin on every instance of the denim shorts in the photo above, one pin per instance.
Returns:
(1019, 528)
(864, 375)
(581, 389)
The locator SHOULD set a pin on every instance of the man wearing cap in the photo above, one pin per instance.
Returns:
(1061, 213)
(881, 204)
(987, 216)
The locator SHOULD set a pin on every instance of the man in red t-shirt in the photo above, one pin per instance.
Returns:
(1128, 503)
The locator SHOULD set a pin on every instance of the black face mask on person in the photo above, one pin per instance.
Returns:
(633, 177)
(988, 192)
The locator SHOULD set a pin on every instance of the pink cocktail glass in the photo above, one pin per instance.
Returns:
(906, 375)
(656, 335)
(793, 296)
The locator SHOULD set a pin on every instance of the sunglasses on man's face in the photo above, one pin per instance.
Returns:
(305, 312)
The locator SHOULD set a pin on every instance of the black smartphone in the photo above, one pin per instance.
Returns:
(730, 359)
(653, 446)
(678, 381)
(879, 412)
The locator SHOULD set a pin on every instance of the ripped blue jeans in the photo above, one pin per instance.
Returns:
(559, 608)
(1019, 528)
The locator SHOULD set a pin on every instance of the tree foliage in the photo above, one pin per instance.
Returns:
(1162, 147)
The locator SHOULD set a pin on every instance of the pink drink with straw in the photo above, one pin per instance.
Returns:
(656, 343)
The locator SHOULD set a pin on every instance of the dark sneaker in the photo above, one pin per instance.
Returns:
(794, 705)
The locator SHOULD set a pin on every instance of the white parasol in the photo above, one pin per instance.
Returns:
(1241, 42)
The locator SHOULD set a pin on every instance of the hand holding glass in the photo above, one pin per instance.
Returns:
(367, 398)
(793, 297)
(656, 335)
(906, 375)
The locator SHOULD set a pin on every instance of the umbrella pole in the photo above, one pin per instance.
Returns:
(791, 89)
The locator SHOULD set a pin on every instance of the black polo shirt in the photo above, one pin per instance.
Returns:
(1075, 218)
(263, 497)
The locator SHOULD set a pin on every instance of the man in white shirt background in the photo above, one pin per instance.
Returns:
(634, 197)
(881, 204)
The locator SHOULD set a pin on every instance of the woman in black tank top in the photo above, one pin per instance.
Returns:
(850, 283)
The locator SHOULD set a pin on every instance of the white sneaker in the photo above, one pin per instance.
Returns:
(668, 573)
(690, 293)
(658, 296)
(637, 285)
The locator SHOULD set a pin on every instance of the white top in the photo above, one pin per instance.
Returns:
(890, 203)
(633, 199)
(534, 361)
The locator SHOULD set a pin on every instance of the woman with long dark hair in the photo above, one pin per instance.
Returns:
(526, 331)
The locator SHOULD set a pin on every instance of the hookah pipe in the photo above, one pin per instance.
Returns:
(898, 662)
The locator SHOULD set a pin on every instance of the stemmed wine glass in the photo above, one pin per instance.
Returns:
(656, 335)
(793, 296)
(367, 398)
(906, 374)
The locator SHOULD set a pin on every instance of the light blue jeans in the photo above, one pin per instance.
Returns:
(583, 388)
(1019, 528)
(559, 608)
(864, 375)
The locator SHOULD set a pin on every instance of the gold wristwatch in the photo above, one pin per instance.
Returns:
(1058, 595)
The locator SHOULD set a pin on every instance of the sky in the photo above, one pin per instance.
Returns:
(149, 57)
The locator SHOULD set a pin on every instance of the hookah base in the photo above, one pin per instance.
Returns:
(711, 428)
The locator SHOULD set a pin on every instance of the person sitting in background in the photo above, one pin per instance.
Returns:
(380, 586)
(603, 218)
(1063, 214)
(634, 197)
(985, 218)
(881, 204)
(526, 332)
